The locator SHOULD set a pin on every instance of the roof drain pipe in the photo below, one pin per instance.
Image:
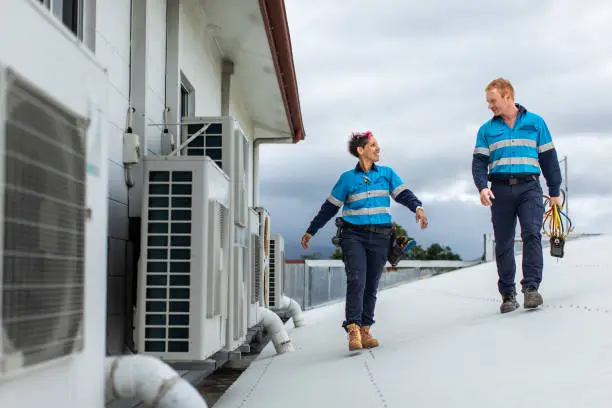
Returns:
(276, 330)
(286, 303)
(150, 380)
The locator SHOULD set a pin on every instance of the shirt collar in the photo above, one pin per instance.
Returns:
(521, 111)
(358, 167)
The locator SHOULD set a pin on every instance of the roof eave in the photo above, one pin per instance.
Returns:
(277, 31)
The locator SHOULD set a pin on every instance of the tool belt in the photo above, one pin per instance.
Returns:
(369, 228)
(341, 224)
(515, 180)
(397, 244)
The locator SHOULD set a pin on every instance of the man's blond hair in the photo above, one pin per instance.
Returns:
(503, 86)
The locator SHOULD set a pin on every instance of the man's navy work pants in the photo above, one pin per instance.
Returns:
(524, 201)
(365, 256)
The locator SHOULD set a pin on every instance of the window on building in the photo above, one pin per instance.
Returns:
(69, 12)
(184, 101)
(187, 107)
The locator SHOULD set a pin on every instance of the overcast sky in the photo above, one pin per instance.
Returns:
(413, 72)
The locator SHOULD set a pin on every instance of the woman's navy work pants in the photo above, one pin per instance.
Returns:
(523, 201)
(365, 256)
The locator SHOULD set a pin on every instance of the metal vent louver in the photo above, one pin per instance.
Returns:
(272, 274)
(256, 262)
(43, 148)
(218, 304)
(168, 266)
(207, 141)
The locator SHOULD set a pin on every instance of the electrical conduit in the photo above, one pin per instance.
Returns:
(151, 380)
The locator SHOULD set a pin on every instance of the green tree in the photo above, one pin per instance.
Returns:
(316, 255)
(337, 253)
(436, 251)
(416, 253)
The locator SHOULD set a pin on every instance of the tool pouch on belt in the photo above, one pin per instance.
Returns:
(336, 238)
(397, 244)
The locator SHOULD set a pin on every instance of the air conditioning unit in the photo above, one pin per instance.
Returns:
(275, 270)
(222, 139)
(44, 207)
(186, 248)
(260, 272)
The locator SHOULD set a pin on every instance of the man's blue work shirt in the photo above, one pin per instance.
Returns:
(365, 197)
(526, 149)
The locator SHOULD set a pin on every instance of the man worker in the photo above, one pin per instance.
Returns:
(512, 149)
(363, 193)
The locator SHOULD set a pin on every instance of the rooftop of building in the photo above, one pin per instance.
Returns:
(445, 344)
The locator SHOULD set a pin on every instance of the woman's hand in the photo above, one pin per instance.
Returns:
(421, 218)
(305, 238)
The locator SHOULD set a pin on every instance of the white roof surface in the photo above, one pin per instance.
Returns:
(445, 344)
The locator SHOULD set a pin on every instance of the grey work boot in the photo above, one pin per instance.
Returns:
(509, 303)
(533, 299)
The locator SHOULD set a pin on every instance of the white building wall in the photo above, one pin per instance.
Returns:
(39, 48)
(156, 73)
(113, 51)
(200, 60)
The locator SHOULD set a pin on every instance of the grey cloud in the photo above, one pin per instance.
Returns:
(404, 68)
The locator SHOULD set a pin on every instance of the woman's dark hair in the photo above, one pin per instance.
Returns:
(358, 139)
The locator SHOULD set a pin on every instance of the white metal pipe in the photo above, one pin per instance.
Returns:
(294, 310)
(151, 380)
(277, 331)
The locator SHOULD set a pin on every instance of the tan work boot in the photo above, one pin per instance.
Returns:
(367, 341)
(354, 337)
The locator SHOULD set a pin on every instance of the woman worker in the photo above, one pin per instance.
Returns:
(363, 193)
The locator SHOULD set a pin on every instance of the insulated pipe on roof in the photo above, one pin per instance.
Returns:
(294, 310)
(150, 380)
(276, 330)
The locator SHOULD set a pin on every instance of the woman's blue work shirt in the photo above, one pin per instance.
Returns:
(365, 197)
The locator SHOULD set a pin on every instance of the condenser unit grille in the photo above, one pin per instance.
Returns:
(44, 227)
(208, 143)
(272, 272)
(256, 262)
(217, 305)
(168, 261)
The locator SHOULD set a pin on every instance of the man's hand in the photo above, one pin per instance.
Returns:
(556, 200)
(305, 238)
(485, 197)
(421, 218)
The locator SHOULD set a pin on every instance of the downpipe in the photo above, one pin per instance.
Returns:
(286, 303)
(276, 330)
(150, 380)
